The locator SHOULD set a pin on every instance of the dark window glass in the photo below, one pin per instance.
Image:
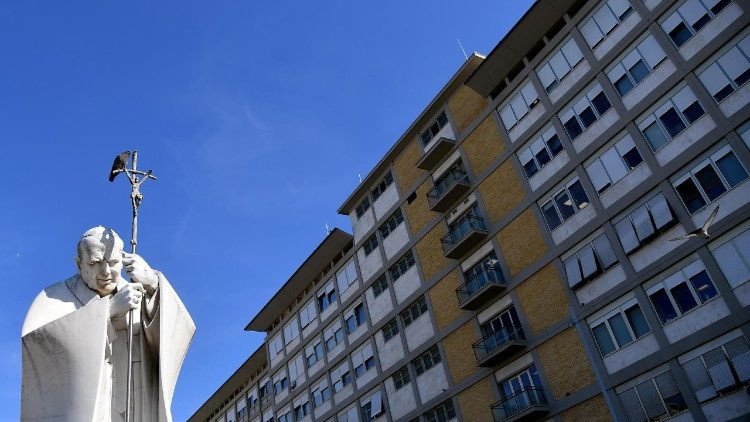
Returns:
(732, 170)
(632, 158)
(710, 182)
(690, 196)
(543, 157)
(578, 194)
(701, 22)
(603, 339)
(573, 128)
(637, 321)
(620, 330)
(680, 34)
(724, 92)
(655, 136)
(554, 145)
(623, 85)
(639, 71)
(719, 6)
(663, 306)
(672, 122)
(565, 205)
(693, 112)
(601, 103)
(551, 86)
(530, 168)
(550, 215)
(744, 77)
(588, 117)
(703, 286)
(682, 296)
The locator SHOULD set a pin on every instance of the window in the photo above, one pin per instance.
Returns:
(356, 318)
(487, 270)
(720, 370)
(710, 179)
(620, 328)
(728, 72)
(671, 118)
(658, 398)
(426, 360)
(286, 417)
(291, 331)
(454, 174)
(333, 335)
(363, 360)
(590, 261)
(280, 384)
(733, 258)
(327, 297)
(401, 378)
(441, 413)
(645, 223)
(585, 110)
(307, 314)
(502, 328)
(386, 181)
(540, 152)
(636, 65)
(346, 276)
(321, 394)
(390, 329)
(314, 354)
(521, 392)
(605, 20)
(301, 411)
(372, 407)
(276, 346)
(296, 370)
(434, 128)
(413, 311)
(559, 65)
(362, 207)
(681, 292)
(370, 244)
(391, 223)
(519, 105)
(614, 164)
(265, 389)
(379, 286)
(690, 18)
(341, 377)
(401, 266)
(564, 203)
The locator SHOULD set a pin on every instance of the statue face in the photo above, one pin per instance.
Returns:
(100, 262)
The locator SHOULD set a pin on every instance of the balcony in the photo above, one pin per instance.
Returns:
(499, 345)
(463, 234)
(528, 404)
(436, 153)
(481, 287)
(448, 189)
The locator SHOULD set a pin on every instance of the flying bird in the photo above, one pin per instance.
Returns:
(121, 161)
(703, 231)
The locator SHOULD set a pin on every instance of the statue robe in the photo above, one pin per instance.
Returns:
(75, 356)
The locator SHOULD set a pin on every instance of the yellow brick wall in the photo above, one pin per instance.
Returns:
(404, 165)
(465, 105)
(483, 145)
(458, 352)
(430, 252)
(521, 242)
(475, 401)
(444, 300)
(543, 299)
(565, 364)
(501, 191)
(418, 212)
(593, 410)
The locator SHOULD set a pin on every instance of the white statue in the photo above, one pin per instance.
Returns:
(74, 338)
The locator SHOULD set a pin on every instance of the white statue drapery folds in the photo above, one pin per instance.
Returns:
(74, 340)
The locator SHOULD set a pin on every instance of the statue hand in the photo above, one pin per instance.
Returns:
(127, 297)
(140, 272)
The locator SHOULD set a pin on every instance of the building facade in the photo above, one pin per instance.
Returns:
(524, 250)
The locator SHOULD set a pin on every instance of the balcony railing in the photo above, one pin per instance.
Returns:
(437, 151)
(499, 344)
(480, 286)
(525, 404)
(463, 234)
(448, 189)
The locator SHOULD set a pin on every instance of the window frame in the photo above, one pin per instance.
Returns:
(551, 199)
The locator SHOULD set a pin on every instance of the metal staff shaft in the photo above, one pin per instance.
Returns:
(133, 242)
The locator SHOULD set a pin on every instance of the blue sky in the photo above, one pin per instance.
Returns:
(257, 118)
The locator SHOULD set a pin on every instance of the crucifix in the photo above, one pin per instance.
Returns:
(136, 178)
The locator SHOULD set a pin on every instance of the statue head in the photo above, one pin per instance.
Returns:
(99, 259)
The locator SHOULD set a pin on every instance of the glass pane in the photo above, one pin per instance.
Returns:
(670, 393)
(683, 297)
(655, 136)
(672, 122)
(601, 103)
(732, 170)
(573, 271)
(632, 158)
(703, 286)
(632, 406)
(573, 128)
(680, 34)
(623, 85)
(554, 145)
(639, 71)
(642, 223)
(587, 116)
(650, 399)
(543, 157)
(614, 165)
(579, 195)
(637, 321)
(690, 195)
(710, 182)
(550, 215)
(530, 168)
(663, 306)
(565, 205)
(598, 176)
(588, 262)
(604, 251)
(699, 380)
(620, 330)
(627, 235)
(559, 65)
(660, 211)
(603, 339)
